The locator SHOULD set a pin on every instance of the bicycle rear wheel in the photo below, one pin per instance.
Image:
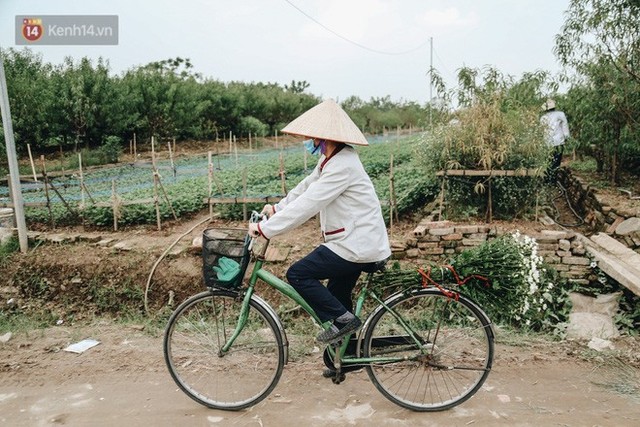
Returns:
(237, 379)
(452, 360)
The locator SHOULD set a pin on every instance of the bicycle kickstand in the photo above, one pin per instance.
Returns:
(339, 376)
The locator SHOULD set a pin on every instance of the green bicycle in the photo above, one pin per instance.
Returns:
(425, 348)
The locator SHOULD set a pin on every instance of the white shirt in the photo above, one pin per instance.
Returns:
(556, 126)
(350, 215)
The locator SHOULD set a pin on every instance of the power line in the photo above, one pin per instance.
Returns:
(354, 42)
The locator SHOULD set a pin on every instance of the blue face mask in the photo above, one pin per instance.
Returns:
(311, 148)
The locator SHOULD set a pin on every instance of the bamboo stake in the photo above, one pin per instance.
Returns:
(46, 191)
(235, 149)
(166, 198)
(276, 139)
(81, 181)
(33, 166)
(62, 161)
(282, 175)
(230, 143)
(210, 173)
(83, 186)
(156, 201)
(250, 146)
(135, 148)
(174, 144)
(153, 153)
(155, 184)
(173, 166)
(131, 147)
(115, 207)
(244, 194)
(391, 191)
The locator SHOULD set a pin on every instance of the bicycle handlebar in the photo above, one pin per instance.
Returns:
(256, 217)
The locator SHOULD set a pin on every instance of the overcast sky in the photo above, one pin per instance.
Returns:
(341, 47)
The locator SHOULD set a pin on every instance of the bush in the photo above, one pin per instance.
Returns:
(488, 136)
(111, 149)
(250, 124)
(524, 292)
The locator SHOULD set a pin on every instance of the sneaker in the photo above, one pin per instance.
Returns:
(328, 373)
(338, 330)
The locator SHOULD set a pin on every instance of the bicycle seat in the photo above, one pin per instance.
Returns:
(376, 266)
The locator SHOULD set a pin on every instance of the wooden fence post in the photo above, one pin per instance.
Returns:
(46, 191)
(33, 167)
(114, 205)
(244, 195)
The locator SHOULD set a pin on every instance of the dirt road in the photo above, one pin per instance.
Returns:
(123, 381)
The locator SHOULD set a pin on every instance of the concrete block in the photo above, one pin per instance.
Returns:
(472, 242)
(478, 236)
(576, 260)
(454, 236)
(441, 231)
(425, 245)
(628, 226)
(429, 238)
(413, 253)
(466, 229)
(564, 245)
(433, 251)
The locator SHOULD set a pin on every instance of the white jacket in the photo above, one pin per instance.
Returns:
(350, 215)
(556, 126)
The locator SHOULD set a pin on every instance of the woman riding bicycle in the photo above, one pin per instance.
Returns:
(355, 236)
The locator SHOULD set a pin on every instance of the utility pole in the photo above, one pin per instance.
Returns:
(14, 172)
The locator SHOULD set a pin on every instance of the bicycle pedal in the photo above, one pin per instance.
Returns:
(338, 378)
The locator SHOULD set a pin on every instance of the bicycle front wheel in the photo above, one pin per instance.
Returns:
(434, 351)
(233, 380)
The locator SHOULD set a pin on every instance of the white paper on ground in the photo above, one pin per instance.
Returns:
(82, 346)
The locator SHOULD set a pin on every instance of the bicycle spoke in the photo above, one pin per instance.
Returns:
(451, 362)
(236, 379)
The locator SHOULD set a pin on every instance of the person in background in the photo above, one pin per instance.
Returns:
(351, 221)
(557, 132)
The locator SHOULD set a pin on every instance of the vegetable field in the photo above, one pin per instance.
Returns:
(255, 174)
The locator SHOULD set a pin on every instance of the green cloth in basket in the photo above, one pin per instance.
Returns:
(227, 269)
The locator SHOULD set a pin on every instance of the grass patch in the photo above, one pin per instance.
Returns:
(6, 250)
(20, 322)
(613, 373)
(588, 164)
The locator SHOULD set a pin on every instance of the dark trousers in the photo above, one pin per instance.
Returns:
(556, 160)
(334, 300)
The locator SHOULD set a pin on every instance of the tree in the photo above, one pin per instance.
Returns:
(600, 39)
(601, 30)
(30, 96)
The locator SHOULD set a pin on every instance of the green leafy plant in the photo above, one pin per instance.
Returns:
(524, 292)
(494, 130)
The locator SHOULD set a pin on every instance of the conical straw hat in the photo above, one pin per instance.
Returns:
(329, 121)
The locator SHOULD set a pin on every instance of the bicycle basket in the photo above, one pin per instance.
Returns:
(225, 255)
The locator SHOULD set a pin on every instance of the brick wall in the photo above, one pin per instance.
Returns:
(441, 240)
